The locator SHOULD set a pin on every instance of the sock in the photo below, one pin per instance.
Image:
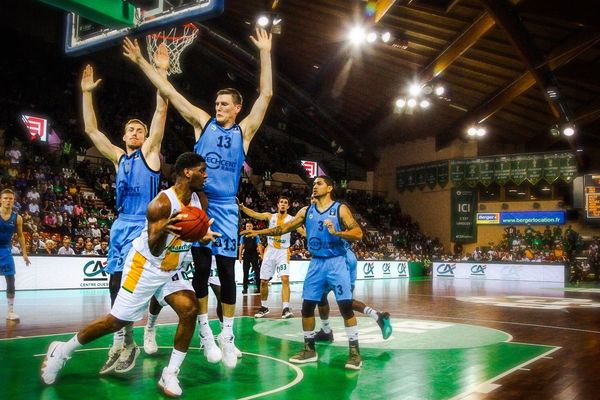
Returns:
(118, 338)
(151, 321)
(325, 325)
(371, 313)
(129, 335)
(69, 347)
(227, 331)
(205, 330)
(264, 303)
(176, 360)
(352, 333)
(309, 339)
(286, 304)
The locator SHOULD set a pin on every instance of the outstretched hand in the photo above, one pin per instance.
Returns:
(87, 79)
(249, 233)
(262, 40)
(131, 50)
(161, 57)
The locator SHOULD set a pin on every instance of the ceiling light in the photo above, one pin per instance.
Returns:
(411, 102)
(357, 35)
(439, 90)
(472, 131)
(386, 37)
(262, 21)
(400, 103)
(568, 130)
(371, 37)
(425, 103)
(414, 89)
(481, 132)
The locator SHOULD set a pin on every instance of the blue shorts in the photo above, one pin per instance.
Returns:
(352, 263)
(7, 262)
(124, 230)
(323, 273)
(225, 211)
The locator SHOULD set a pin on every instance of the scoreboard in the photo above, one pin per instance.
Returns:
(591, 186)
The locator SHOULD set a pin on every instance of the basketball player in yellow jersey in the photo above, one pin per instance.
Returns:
(276, 257)
(151, 269)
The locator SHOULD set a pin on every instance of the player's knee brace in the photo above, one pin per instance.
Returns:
(114, 284)
(308, 308)
(226, 269)
(202, 257)
(346, 308)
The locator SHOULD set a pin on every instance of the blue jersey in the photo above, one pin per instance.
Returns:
(137, 184)
(223, 150)
(320, 242)
(7, 229)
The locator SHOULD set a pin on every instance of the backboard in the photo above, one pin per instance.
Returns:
(84, 36)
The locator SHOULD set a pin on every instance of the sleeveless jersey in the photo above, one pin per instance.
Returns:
(321, 243)
(223, 150)
(137, 184)
(176, 250)
(283, 241)
(7, 229)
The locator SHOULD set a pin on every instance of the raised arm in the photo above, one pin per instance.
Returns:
(22, 239)
(161, 223)
(279, 230)
(253, 214)
(251, 123)
(195, 116)
(104, 146)
(151, 147)
(351, 230)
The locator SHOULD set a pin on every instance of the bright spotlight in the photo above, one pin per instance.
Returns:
(357, 35)
(439, 90)
(262, 21)
(481, 132)
(371, 37)
(400, 103)
(472, 131)
(411, 102)
(414, 89)
(425, 103)
(568, 131)
(386, 37)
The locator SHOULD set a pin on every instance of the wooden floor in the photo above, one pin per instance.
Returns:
(567, 321)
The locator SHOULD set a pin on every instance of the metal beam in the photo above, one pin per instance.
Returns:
(506, 17)
(564, 54)
(381, 8)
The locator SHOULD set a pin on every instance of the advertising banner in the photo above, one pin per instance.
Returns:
(500, 271)
(464, 204)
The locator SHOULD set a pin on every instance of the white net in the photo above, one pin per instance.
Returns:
(176, 39)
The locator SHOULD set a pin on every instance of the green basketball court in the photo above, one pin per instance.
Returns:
(422, 360)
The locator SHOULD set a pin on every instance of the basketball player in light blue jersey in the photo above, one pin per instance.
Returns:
(10, 222)
(224, 144)
(328, 223)
(137, 182)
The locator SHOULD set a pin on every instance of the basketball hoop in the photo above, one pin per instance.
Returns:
(177, 39)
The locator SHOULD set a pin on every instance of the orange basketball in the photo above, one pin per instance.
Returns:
(194, 226)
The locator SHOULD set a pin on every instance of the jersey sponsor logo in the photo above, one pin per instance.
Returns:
(446, 270)
(215, 161)
(314, 243)
(478, 269)
(332, 212)
(179, 249)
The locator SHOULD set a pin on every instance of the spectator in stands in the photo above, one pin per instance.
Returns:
(103, 250)
(88, 249)
(66, 249)
(49, 248)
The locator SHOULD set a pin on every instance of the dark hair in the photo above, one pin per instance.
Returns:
(283, 198)
(327, 180)
(187, 160)
(235, 94)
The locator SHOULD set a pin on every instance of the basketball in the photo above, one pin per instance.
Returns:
(194, 226)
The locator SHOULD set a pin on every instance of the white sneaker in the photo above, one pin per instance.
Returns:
(169, 383)
(150, 346)
(53, 362)
(228, 348)
(212, 352)
(12, 316)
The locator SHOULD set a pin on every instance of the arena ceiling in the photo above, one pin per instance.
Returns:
(518, 67)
